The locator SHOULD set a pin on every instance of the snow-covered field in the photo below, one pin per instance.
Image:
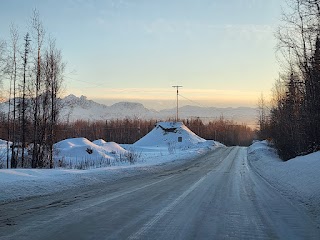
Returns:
(168, 143)
(297, 178)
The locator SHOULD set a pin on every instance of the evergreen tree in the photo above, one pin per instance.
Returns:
(312, 100)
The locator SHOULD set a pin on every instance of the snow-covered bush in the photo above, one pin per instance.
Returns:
(83, 163)
(131, 156)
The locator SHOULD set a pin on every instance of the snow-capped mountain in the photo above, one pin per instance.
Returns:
(73, 101)
(131, 110)
(82, 108)
(74, 108)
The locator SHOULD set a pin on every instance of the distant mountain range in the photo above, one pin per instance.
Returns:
(82, 108)
(75, 108)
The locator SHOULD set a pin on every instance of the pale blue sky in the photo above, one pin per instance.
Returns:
(222, 52)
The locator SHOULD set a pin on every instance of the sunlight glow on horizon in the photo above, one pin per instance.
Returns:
(161, 98)
(222, 52)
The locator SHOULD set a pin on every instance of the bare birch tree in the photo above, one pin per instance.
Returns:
(38, 36)
(13, 71)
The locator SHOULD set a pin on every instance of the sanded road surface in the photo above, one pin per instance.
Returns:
(217, 196)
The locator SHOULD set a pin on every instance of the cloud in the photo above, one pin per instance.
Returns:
(195, 29)
(249, 31)
(167, 93)
(159, 98)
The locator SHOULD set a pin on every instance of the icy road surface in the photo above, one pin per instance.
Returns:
(217, 196)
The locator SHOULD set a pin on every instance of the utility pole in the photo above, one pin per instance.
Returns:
(177, 87)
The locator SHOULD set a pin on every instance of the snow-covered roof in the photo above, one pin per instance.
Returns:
(170, 125)
(166, 133)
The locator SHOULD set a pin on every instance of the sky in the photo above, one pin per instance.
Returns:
(221, 52)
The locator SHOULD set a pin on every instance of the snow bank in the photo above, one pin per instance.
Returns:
(21, 183)
(297, 178)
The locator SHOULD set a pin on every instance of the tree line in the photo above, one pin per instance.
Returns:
(31, 69)
(293, 122)
(129, 131)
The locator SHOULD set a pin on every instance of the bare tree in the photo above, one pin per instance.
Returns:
(263, 120)
(35, 77)
(23, 121)
(13, 71)
(296, 115)
(2, 71)
(38, 35)
(2, 63)
(53, 69)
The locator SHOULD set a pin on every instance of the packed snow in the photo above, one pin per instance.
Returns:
(100, 158)
(297, 178)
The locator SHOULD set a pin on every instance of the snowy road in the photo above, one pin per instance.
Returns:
(217, 196)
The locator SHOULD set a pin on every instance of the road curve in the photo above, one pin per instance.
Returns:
(216, 196)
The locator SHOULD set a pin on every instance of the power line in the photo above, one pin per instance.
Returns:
(199, 104)
(177, 87)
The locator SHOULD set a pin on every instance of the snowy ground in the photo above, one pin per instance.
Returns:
(108, 161)
(297, 178)
(21, 183)
(216, 196)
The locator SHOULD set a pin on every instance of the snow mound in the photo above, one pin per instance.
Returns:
(99, 142)
(110, 147)
(114, 147)
(73, 143)
(170, 133)
(263, 146)
(79, 148)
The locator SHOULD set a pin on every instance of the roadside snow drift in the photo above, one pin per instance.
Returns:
(297, 178)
